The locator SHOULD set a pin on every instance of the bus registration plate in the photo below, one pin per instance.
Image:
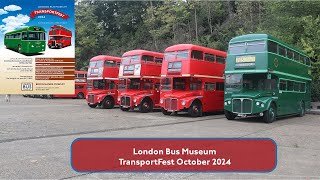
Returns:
(245, 59)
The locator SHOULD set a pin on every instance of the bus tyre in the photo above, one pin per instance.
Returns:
(229, 115)
(145, 106)
(124, 109)
(80, 95)
(165, 112)
(269, 115)
(107, 103)
(195, 110)
(92, 105)
(302, 109)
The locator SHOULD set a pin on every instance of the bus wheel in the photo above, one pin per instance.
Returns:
(19, 49)
(107, 103)
(302, 109)
(92, 105)
(165, 112)
(195, 110)
(124, 109)
(145, 106)
(229, 115)
(270, 115)
(80, 95)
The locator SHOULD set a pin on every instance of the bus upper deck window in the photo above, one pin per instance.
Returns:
(182, 55)
(135, 59)
(99, 64)
(209, 57)
(256, 46)
(289, 54)
(110, 63)
(237, 48)
(220, 60)
(307, 61)
(93, 64)
(158, 60)
(197, 55)
(296, 56)
(272, 47)
(168, 56)
(282, 51)
(147, 58)
(125, 60)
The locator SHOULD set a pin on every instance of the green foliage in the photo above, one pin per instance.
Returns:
(113, 27)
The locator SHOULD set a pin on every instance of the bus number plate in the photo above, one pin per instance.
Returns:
(245, 59)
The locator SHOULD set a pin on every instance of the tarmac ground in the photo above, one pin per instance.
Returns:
(35, 138)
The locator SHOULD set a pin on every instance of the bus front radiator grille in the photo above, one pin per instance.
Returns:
(236, 105)
(242, 105)
(125, 101)
(171, 104)
(91, 98)
(246, 106)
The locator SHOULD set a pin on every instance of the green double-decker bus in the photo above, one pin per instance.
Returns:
(266, 78)
(27, 40)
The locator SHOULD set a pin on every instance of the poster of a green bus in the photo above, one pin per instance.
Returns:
(28, 40)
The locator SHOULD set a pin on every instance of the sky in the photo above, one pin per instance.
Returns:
(14, 14)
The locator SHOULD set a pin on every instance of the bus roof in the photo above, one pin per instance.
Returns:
(144, 52)
(179, 47)
(105, 57)
(56, 26)
(59, 26)
(253, 37)
(29, 28)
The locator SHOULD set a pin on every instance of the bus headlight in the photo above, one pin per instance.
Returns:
(32, 45)
(161, 101)
(183, 103)
(257, 103)
(262, 105)
(134, 100)
(229, 102)
(118, 98)
(225, 103)
(98, 98)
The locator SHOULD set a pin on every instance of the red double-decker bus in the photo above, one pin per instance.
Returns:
(192, 80)
(80, 78)
(139, 85)
(102, 81)
(59, 37)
